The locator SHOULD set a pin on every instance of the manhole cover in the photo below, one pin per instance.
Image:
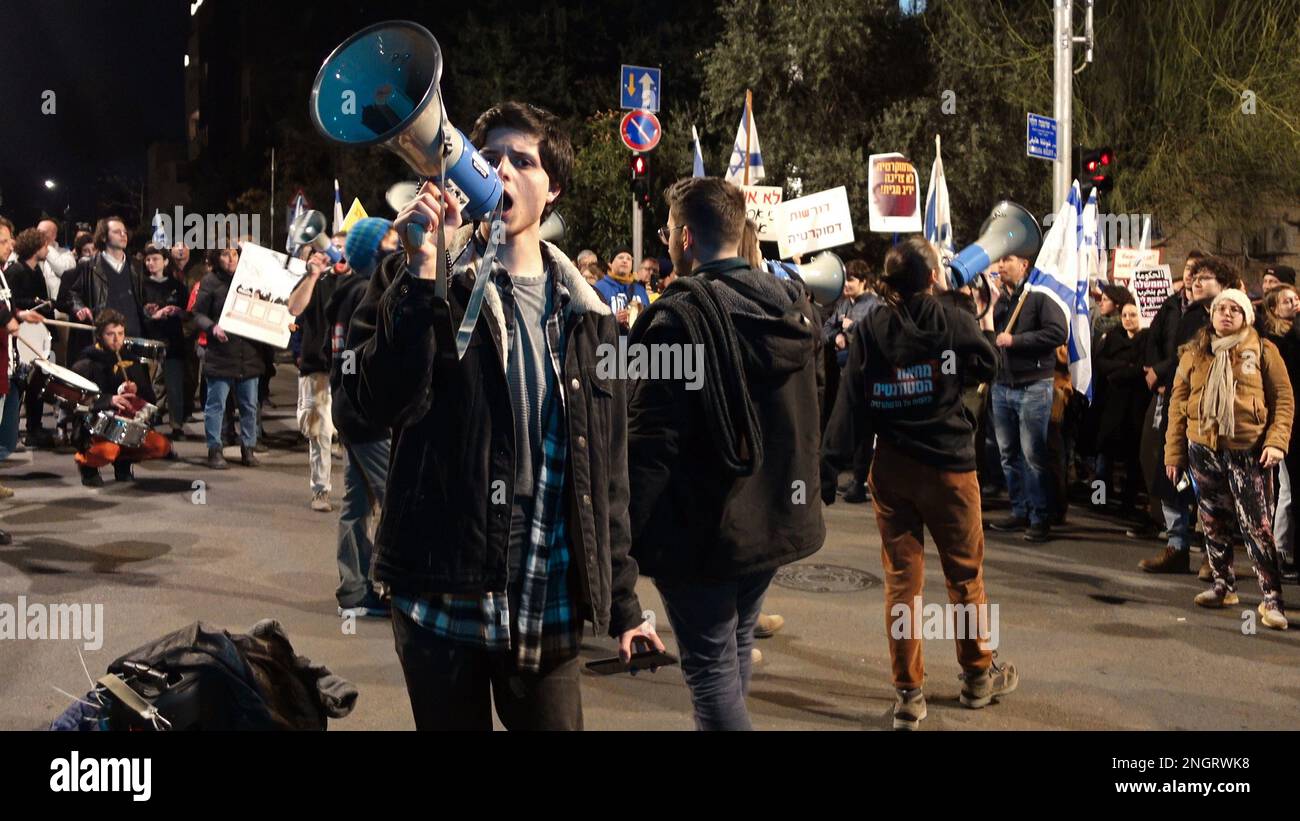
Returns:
(824, 578)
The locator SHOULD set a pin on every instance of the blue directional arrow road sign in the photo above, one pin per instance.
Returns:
(1040, 137)
(638, 87)
(640, 130)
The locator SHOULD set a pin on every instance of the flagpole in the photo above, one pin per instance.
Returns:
(272, 229)
(749, 128)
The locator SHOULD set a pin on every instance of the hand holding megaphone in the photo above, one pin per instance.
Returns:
(417, 224)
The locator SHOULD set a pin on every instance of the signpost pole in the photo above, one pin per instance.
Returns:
(1063, 42)
(636, 234)
(749, 128)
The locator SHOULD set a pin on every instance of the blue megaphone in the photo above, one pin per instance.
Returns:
(380, 87)
(1010, 230)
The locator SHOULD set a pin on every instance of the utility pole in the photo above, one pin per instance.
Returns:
(1063, 41)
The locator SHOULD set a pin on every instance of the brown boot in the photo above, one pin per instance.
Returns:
(1205, 574)
(1167, 561)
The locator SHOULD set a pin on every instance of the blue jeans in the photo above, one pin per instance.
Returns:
(215, 409)
(1020, 418)
(364, 476)
(714, 627)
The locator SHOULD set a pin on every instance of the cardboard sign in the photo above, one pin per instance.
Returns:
(257, 306)
(762, 205)
(1150, 288)
(815, 222)
(895, 200)
(1128, 260)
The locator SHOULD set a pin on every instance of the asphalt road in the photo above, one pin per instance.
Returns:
(1099, 644)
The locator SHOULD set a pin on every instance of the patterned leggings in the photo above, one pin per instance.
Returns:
(1234, 496)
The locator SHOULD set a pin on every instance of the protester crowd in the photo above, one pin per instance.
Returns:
(592, 482)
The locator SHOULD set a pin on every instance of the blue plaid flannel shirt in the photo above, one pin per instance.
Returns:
(547, 623)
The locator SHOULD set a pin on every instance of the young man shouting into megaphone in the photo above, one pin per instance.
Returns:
(505, 525)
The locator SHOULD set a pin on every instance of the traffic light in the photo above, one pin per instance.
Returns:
(640, 167)
(1097, 168)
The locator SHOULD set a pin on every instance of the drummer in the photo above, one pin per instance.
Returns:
(124, 388)
(164, 302)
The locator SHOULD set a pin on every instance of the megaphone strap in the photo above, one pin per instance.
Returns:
(475, 306)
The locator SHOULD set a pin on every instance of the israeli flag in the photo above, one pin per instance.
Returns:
(938, 212)
(159, 232)
(1061, 274)
(338, 209)
(739, 162)
(697, 170)
(295, 211)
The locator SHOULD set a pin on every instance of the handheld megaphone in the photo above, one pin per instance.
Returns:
(552, 229)
(1010, 230)
(380, 87)
(309, 229)
(823, 275)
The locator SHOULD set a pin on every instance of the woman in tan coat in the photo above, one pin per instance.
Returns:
(1230, 422)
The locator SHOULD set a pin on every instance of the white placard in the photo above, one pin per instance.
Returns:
(257, 306)
(762, 205)
(1150, 288)
(815, 222)
(1128, 260)
(895, 198)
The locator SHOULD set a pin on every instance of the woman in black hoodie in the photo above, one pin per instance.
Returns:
(903, 383)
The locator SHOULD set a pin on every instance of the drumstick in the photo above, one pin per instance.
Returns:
(59, 323)
(32, 348)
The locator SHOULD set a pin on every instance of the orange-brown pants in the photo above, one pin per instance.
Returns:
(102, 452)
(909, 495)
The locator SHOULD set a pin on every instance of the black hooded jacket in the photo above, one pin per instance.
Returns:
(724, 479)
(903, 383)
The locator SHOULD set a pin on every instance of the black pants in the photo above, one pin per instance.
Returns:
(452, 686)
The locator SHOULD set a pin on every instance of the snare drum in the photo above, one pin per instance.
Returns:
(125, 432)
(144, 350)
(62, 386)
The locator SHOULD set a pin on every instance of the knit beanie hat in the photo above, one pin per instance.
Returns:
(362, 244)
(1238, 298)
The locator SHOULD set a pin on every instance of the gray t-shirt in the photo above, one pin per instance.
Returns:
(529, 375)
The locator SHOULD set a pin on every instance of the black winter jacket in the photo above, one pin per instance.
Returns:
(692, 518)
(237, 358)
(100, 367)
(1162, 340)
(1122, 389)
(1039, 331)
(444, 528)
(343, 302)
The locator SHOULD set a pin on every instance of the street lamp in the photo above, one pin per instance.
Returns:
(50, 185)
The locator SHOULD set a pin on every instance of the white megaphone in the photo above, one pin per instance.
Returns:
(823, 276)
(552, 229)
(401, 193)
(380, 87)
(1010, 230)
(309, 229)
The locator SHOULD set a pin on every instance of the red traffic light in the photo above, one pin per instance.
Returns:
(639, 166)
(1105, 158)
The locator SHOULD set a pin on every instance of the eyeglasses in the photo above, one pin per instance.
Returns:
(667, 231)
(1228, 309)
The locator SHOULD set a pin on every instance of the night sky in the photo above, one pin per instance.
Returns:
(117, 70)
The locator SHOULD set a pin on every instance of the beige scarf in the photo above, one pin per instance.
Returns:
(1220, 388)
